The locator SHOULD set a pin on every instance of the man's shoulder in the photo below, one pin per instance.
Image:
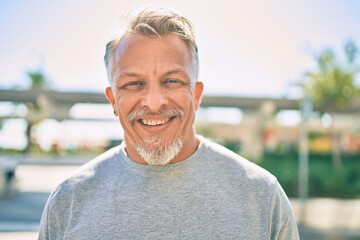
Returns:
(97, 164)
(88, 175)
(226, 160)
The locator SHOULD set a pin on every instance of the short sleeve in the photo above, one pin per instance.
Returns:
(283, 224)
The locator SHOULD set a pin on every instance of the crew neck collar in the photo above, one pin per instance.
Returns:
(169, 167)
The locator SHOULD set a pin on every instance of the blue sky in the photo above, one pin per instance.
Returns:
(246, 47)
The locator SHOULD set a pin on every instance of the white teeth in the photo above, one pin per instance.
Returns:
(154, 122)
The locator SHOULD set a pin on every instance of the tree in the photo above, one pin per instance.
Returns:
(332, 86)
(38, 81)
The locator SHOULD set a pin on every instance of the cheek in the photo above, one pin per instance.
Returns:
(124, 106)
(185, 97)
(187, 103)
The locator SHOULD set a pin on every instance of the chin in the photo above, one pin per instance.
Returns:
(159, 155)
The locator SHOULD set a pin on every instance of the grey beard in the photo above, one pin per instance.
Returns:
(159, 155)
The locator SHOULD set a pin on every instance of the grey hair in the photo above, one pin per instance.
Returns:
(153, 23)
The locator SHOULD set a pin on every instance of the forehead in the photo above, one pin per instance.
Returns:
(143, 51)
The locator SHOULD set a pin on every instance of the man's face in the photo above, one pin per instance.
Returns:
(154, 98)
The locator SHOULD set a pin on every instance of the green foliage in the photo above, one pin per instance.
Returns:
(333, 84)
(324, 180)
(285, 168)
(232, 145)
(38, 79)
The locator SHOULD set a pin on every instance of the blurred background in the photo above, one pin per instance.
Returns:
(282, 88)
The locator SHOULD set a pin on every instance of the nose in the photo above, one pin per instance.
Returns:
(155, 98)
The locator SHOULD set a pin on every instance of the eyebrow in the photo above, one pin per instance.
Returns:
(134, 74)
(179, 70)
(174, 71)
(128, 74)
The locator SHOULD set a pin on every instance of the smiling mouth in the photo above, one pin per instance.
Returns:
(147, 118)
(155, 122)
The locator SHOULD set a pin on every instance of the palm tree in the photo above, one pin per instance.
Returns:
(38, 81)
(332, 86)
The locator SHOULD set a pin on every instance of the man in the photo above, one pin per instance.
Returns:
(164, 181)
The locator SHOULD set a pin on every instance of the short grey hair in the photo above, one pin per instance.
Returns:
(153, 23)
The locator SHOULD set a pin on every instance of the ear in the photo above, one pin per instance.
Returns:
(110, 96)
(199, 87)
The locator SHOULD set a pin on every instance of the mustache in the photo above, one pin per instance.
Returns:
(163, 112)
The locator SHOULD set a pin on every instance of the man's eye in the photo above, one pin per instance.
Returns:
(173, 83)
(137, 85)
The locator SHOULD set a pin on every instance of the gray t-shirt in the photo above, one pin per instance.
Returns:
(214, 194)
